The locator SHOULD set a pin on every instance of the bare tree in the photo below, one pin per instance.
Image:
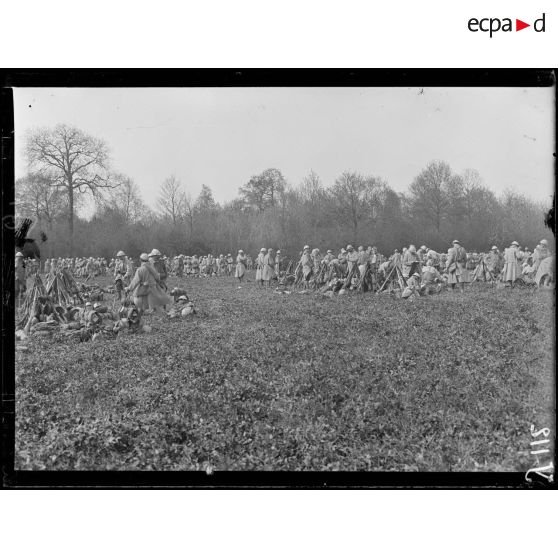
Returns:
(429, 193)
(37, 196)
(262, 190)
(354, 198)
(127, 200)
(76, 161)
(171, 199)
(189, 214)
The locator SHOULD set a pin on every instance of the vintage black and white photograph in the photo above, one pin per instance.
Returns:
(284, 279)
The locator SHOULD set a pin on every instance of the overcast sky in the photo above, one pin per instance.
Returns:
(223, 136)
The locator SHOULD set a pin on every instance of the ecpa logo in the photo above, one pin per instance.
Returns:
(494, 24)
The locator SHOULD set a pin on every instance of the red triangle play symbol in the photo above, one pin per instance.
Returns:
(519, 25)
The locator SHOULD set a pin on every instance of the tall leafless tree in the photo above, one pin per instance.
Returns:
(171, 199)
(76, 162)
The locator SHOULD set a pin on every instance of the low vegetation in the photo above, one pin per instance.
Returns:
(258, 380)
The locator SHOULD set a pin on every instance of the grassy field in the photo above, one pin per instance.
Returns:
(264, 381)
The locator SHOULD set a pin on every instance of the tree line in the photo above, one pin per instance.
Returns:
(67, 167)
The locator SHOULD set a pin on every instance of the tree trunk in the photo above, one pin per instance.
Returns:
(71, 217)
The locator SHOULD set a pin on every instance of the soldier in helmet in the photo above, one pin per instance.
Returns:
(352, 257)
(260, 264)
(456, 266)
(159, 264)
(123, 272)
(240, 266)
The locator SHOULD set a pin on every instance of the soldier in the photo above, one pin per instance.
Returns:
(306, 263)
(456, 266)
(230, 263)
(316, 261)
(431, 279)
(493, 262)
(123, 273)
(512, 270)
(352, 258)
(410, 262)
(240, 266)
(212, 262)
(222, 265)
(179, 265)
(159, 264)
(362, 259)
(89, 268)
(421, 253)
(413, 288)
(195, 265)
(268, 272)
(374, 257)
(396, 259)
(434, 257)
(260, 266)
(541, 252)
(144, 281)
(329, 257)
(342, 261)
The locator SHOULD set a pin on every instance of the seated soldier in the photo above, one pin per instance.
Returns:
(413, 288)
(431, 279)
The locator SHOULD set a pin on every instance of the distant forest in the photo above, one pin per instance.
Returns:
(67, 166)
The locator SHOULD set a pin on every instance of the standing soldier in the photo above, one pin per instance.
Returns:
(147, 289)
(195, 265)
(352, 258)
(89, 268)
(222, 265)
(240, 266)
(362, 258)
(396, 259)
(343, 264)
(306, 263)
(230, 263)
(512, 269)
(268, 272)
(180, 266)
(316, 261)
(456, 266)
(123, 273)
(410, 262)
(493, 262)
(159, 264)
(260, 266)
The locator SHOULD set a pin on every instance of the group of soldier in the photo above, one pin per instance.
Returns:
(423, 266)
